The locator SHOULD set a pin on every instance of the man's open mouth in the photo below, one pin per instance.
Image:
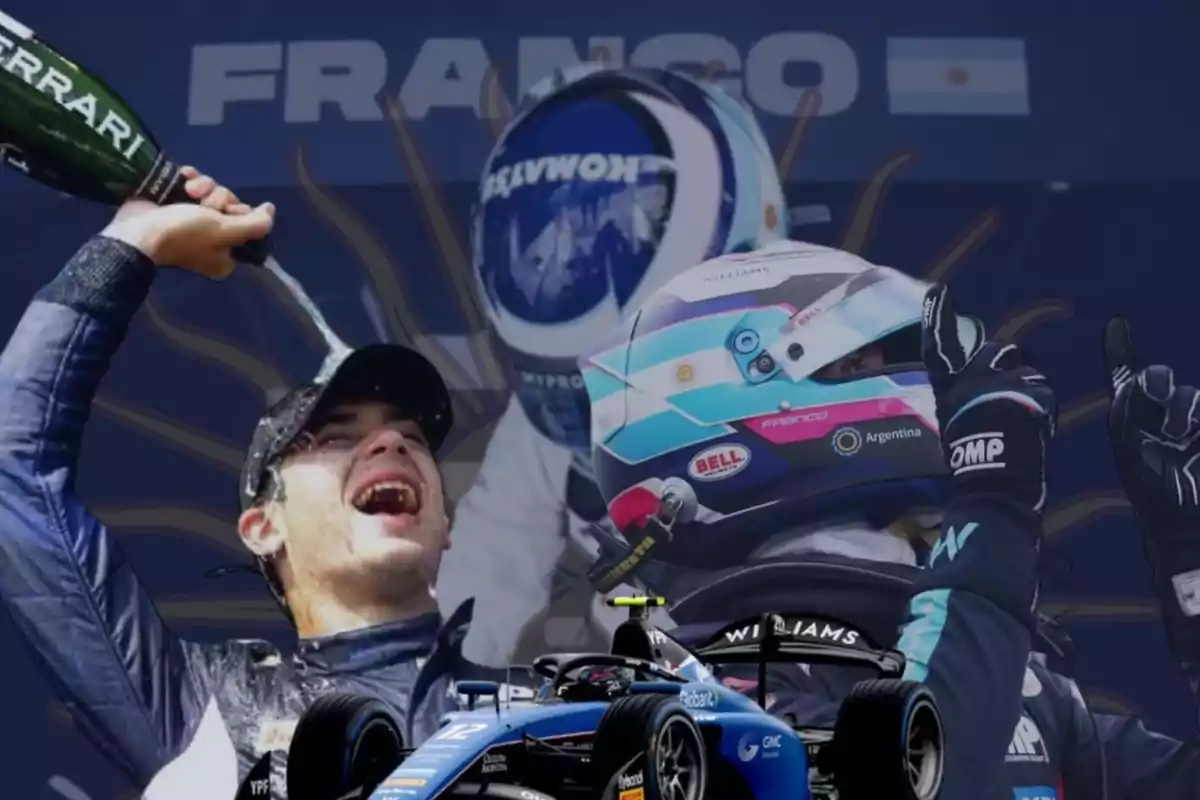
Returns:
(391, 497)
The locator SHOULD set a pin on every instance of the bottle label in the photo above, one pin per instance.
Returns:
(44, 71)
(162, 183)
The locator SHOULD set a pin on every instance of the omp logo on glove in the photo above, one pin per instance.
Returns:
(995, 412)
(977, 451)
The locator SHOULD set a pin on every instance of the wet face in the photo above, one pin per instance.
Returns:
(362, 513)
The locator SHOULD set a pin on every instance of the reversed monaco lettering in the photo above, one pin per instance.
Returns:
(591, 167)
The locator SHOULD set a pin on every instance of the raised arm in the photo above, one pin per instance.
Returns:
(972, 615)
(1154, 427)
(135, 688)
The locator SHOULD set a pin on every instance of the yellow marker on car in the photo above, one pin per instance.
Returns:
(627, 602)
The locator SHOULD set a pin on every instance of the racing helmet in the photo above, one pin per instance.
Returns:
(607, 183)
(717, 422)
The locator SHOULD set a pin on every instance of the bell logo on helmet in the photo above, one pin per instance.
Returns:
(720, 462)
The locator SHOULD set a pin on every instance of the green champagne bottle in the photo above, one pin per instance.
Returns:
(65, 128)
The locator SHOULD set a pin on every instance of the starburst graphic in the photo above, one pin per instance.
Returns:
(477, 378)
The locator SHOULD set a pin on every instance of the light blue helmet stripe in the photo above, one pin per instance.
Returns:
(702, 412)
(600, 384)
(713, 404)
(658, 434)
(684, 339)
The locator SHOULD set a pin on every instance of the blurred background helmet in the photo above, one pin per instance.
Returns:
(607, 183)
(754, 395)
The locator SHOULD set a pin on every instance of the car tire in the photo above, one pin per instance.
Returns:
(657, 724)
(342, 742)
(887, 742)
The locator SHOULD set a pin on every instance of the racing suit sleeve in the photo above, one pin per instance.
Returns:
(969, 632)
(507, 538)
(136, 690)
(971, 618)
(1155, 435)
(1114, 757)
(1173, 553)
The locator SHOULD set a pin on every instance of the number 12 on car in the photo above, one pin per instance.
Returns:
(460, 731)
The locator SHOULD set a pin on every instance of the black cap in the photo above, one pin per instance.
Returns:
(391, 373)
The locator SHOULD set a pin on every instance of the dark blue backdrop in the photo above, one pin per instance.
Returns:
(1049, 222)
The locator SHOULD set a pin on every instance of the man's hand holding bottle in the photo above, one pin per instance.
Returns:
(196, 237)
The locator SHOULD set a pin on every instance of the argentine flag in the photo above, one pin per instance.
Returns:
(957, 76)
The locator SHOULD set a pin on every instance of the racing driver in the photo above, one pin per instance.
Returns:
(606, 184)
(761, 399)
(342, 505)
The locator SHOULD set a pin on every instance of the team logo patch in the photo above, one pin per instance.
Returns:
(1027, 746)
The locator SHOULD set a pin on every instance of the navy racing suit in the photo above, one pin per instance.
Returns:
(182, 720)
(1059, 749)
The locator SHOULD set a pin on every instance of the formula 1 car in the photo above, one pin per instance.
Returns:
(646, 721)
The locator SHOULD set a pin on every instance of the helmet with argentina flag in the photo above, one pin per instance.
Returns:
(607, 183)
(757, 393)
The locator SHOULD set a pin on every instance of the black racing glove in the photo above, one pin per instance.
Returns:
(1154, 426)
(995, 413)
